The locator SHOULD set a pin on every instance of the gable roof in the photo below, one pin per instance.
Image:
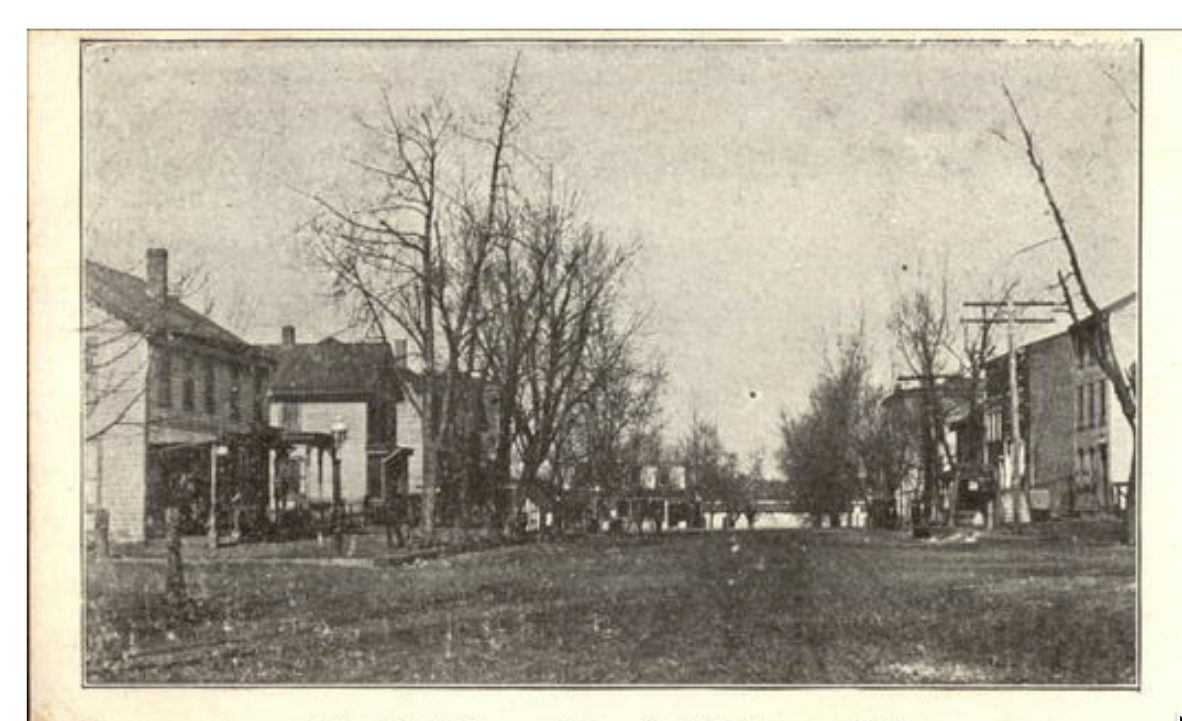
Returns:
(127, 298)
(332, 368)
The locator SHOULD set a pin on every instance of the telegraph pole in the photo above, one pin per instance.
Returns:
(1017, 475)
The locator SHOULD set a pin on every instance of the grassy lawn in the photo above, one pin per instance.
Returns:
(778, 607)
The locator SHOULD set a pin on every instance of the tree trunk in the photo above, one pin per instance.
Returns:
(954, 490)
(430, 477)
(1129, 530)
(953, 498)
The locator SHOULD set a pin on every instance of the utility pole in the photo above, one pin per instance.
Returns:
(1021, 510)
(211, 528)
(1016, 475)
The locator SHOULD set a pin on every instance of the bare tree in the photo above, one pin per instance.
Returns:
(1093, 325)
(605, 437)
(504, 291)
(555, 282)
(410, 257)
(923, 335)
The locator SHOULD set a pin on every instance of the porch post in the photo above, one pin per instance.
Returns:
(271, 507)
(319, 474)
(211, 532)
(303, 472)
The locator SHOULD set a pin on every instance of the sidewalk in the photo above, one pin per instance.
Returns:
(364, 549)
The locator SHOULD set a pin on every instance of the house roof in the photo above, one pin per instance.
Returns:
(1121, 303)
(126, 297)
(331, 368)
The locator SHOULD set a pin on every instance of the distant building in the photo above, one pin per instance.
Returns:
(165, 387)
(905, 405)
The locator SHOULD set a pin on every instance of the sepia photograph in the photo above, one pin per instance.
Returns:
(620, 362)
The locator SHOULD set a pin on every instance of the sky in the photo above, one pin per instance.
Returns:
(780, 193)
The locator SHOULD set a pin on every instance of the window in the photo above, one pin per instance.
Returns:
(1088, 464)
(209, 387)
(1101, 470)
(235, 395)
(164, 380)
(374, 421)
(260, 384)
(1081, 467)
(188, 385)
(289, 416)
(1079, 406)
(1102, 399)
(993, 427)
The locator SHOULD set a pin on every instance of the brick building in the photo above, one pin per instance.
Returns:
(1077, 448)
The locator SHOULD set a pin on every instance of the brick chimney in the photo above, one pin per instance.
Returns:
(157, 279)
(289, 335)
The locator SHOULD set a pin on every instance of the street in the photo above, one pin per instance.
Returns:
(761, 607)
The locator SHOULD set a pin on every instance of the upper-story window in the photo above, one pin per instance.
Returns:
(209, 387)
(373, 420)
(993, 427)
(289, 416)
(188, 385)
(164, 380)
(1091, 404)
(235, 394)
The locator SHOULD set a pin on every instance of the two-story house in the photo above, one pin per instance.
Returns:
(317, 385)
(171, 397)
